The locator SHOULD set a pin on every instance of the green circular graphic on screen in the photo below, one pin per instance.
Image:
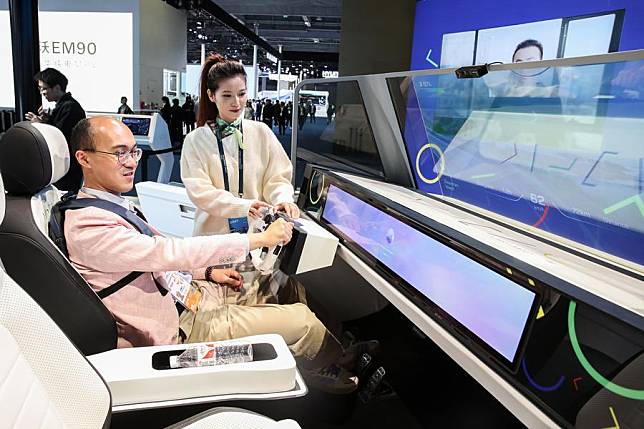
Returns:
(311, 188)
(441, 160)
(626, 392)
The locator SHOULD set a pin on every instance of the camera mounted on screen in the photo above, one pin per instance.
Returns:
(471, 72)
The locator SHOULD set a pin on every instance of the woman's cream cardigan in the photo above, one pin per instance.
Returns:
(267, 175)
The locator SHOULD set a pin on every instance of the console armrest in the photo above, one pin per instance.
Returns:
(140, 377)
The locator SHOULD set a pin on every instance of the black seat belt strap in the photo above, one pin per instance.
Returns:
(126, 214)
(104, 293)
(70, 202)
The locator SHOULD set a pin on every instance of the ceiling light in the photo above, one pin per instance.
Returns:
(306, 20)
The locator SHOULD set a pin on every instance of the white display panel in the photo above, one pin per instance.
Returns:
(6, 62)
(458, 49)
(100, 67)
(93, 49)
(193, 72)
(589, 36)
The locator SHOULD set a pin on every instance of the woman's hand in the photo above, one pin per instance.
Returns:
(227, 276)
(255, 209)
(291, 210)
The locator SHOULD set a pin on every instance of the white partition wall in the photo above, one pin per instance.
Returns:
(119, 46)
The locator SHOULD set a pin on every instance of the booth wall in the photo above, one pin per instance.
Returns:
(376, 36)
(164, 45)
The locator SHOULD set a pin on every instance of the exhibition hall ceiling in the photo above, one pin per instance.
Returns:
(308, 31)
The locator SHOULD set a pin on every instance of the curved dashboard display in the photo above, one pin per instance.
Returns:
(453, 282)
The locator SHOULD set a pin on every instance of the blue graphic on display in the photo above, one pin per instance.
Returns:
(493, 307)
(538, 386)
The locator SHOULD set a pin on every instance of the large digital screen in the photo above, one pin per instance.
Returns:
(556, 149)
(453, 34)
(94, 50)
(489, 305)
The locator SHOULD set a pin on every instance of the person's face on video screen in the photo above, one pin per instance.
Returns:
(530, 53)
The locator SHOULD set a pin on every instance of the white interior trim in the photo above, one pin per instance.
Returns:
(58, 150)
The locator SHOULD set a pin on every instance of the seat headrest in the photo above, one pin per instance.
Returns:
(32, 156)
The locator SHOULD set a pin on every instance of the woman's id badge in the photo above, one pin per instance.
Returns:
(238, 224)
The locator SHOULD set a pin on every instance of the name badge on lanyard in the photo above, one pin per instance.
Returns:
(237, 224)
(182, 290)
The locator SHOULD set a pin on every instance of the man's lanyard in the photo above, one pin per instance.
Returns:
(222, 158)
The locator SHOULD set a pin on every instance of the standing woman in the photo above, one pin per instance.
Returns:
(254, 170)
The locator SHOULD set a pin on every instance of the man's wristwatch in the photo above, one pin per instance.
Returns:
(209, 273)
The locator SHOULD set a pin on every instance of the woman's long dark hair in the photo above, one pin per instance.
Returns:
(215, 69)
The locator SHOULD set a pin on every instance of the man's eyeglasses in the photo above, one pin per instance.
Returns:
(122, 157)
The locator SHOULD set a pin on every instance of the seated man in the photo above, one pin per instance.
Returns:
(104, 248)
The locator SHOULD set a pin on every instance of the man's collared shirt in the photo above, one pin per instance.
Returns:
(108, 196)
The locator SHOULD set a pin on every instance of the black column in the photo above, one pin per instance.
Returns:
(26, 54)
